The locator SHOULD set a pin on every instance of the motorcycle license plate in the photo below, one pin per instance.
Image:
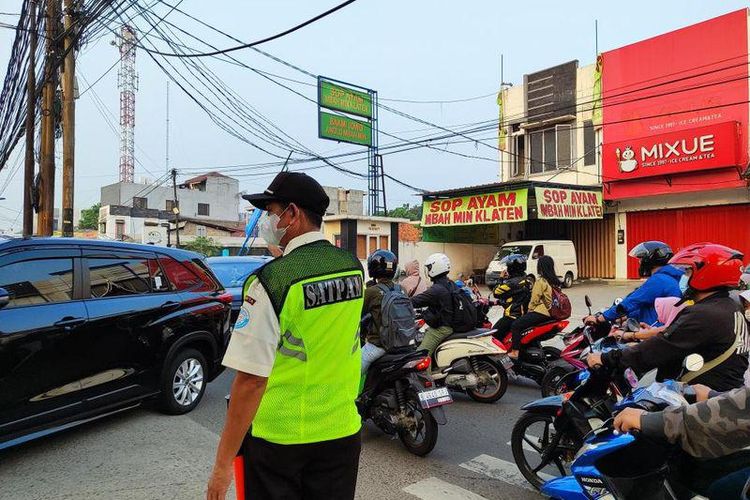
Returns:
(506, 362)
(435, 397)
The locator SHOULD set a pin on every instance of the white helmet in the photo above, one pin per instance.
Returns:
(437, 264)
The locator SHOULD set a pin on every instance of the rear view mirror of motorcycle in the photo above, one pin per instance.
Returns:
(693, 362)
(588, 301)
(632, 325)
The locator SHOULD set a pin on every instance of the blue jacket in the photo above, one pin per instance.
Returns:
(640, 303)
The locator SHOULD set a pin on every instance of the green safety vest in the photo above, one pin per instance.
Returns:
(317, 293)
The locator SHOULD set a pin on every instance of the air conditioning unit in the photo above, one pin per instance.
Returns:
(154, 235)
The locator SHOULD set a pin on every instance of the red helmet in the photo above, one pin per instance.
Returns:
(714, 266)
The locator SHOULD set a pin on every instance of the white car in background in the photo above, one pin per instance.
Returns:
(563, 252)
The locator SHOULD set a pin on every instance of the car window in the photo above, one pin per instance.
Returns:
(122, 277)
(513, 249)
(538, 252)
(185, 276)
(40, 281)
(233, 274)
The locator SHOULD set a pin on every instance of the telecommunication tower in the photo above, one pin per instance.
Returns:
(127, 82)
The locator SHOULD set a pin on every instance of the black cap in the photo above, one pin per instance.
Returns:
(293, 187)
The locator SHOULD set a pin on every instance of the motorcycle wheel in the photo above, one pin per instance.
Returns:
(551, 381)
(524, 440)
(421, 439)
(490, 394)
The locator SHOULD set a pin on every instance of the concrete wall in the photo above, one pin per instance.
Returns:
(345, 201)
(464, 258)
(221, 194)
(331, 229)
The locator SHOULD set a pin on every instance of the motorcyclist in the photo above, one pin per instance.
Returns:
(716, 428)
(663, 281)
(513, 293)
(381, 266)
(712, 327)
(438, 300)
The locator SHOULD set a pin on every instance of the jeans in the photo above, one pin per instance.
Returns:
(433, 337)
(370, 352)
(730, 486)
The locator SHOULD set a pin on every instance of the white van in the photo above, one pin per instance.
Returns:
(562, 252)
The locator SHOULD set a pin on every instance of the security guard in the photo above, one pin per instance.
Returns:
(296, 351)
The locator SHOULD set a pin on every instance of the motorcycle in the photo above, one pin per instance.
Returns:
(401, 398)
(619, 466)
(552, 429)
(468, 362)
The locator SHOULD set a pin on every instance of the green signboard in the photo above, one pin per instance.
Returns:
(344, 129)
(344, 99)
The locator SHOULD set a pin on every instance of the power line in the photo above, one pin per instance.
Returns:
(261, 41)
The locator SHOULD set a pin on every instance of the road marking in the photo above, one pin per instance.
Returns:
(433, 488)
(501, 470)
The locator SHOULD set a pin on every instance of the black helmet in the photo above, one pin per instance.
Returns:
(382, 264)
(651, 254)
(515, 263)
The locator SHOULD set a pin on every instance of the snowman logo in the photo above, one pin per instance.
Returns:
(626, 159)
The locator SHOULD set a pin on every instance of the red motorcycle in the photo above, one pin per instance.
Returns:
(534, 358)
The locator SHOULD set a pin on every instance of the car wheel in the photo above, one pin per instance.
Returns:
(183, 382)
(568, 282)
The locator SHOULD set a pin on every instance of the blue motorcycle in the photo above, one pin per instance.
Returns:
(622, 466)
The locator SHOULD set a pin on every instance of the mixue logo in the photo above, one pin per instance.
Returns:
(667, 153)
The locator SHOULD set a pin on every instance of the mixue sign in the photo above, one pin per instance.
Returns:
(702, 148)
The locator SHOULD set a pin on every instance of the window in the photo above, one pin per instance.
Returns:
(120, 277)
(119, 229)
(170, 205)
(551, 148)
(361, 246)
(384, 243)
(34, 282)
(185, 276)
(519, 156)
(589, 143)
(538, 252)
(140, 202)
(103, 228)
(337, 240)
(200, 231)
(203, 209)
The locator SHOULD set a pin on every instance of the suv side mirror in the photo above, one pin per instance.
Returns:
(693, 362)
(4, 297)
(588, 301)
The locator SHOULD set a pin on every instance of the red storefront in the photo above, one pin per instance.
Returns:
(675, 129)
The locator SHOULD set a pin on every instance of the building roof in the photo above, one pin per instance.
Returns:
(228, 226)
(203, 177)
(504, 186)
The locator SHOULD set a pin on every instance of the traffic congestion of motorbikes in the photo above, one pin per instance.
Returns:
(636, 403)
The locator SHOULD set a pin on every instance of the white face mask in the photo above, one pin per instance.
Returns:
(269, 228)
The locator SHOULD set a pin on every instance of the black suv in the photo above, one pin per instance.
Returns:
(90, 327)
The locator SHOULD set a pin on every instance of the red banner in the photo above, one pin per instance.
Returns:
(702, 148)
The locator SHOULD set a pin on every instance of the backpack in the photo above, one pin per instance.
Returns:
(560, 307)
(464, 311)
(398, 323)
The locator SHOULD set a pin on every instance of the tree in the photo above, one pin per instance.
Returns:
(407, 211)
(204, 245)
(90, 217)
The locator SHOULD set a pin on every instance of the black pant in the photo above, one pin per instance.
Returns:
(315, 471)
(503, 327)
(524, 323)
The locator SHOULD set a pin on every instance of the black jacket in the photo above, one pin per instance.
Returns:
(708, 328)
(514, 294)
(439, 302)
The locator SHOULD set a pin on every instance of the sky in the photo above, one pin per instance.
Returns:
(422, 50)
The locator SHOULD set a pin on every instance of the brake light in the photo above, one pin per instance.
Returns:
(419, 365)
(428, 383)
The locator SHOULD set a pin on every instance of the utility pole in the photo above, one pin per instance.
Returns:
(176, 209)
(47, 160)
(68, 122)
(28, 170)
(166, 153)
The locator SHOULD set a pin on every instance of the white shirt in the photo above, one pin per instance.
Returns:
(256, 335)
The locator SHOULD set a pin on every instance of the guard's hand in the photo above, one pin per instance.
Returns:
(590, 320)
(628, 419)
(218, 484)
(594, 360)
(701, 392)
(644, 326)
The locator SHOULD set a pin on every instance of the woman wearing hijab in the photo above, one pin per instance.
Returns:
(414, 283)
